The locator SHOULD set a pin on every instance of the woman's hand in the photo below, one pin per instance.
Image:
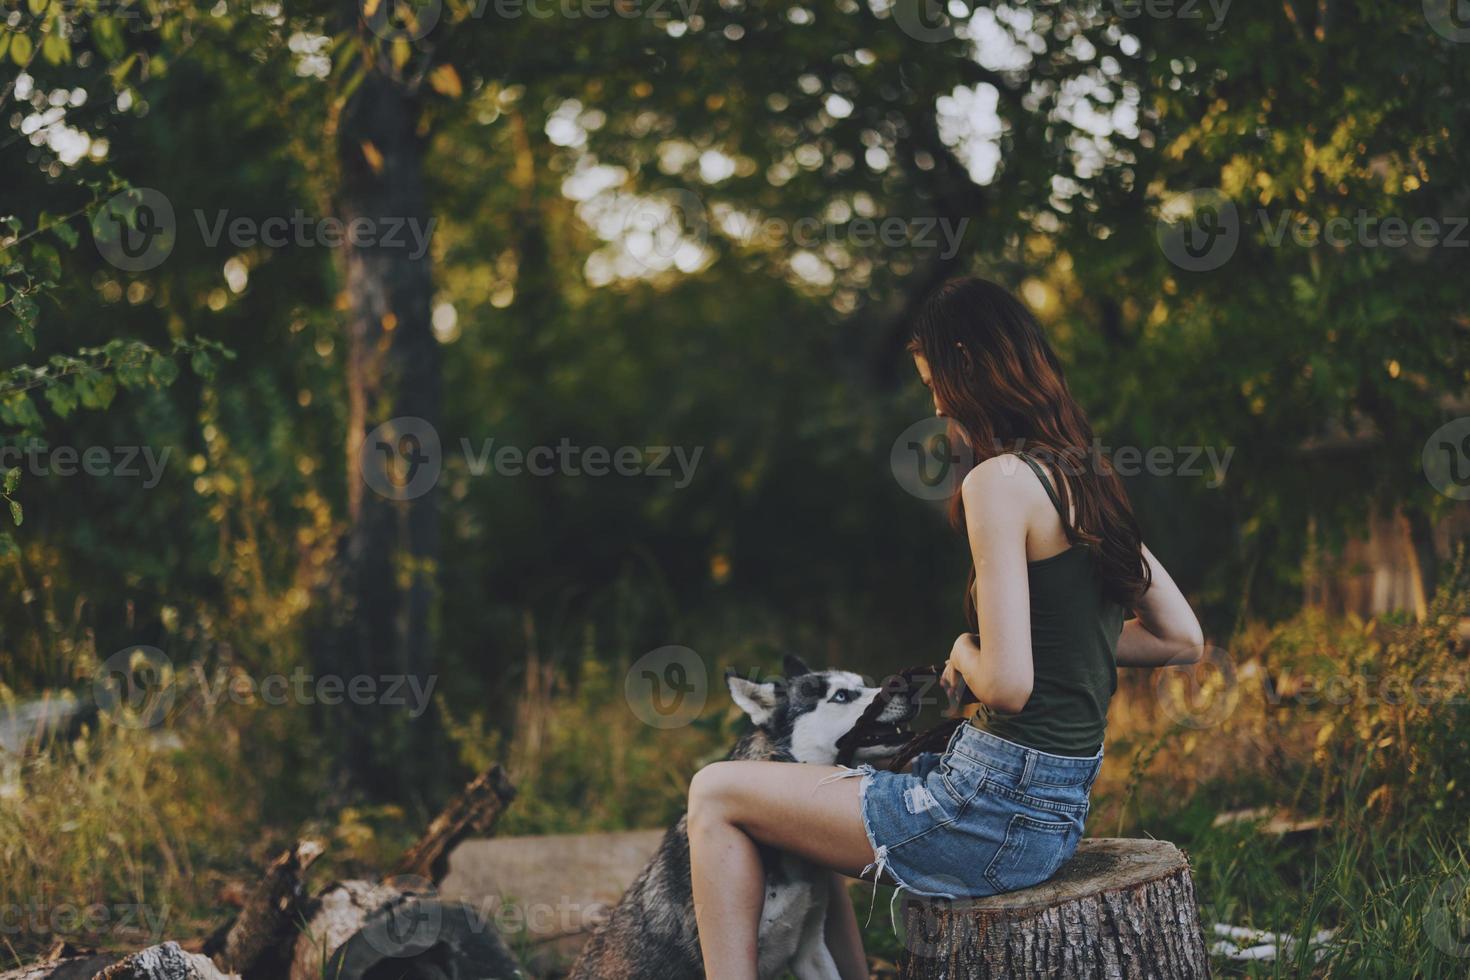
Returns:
(952, 680)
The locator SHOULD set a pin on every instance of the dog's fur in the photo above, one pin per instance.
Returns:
(651, 934)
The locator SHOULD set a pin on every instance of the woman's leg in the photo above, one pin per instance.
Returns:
(844, 937)
(733, 806)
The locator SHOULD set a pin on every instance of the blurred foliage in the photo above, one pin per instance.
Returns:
(1060, 133)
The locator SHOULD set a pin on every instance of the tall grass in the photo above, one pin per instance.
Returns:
(153, 824)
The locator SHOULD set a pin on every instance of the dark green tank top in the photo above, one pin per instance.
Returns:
(1074, 637)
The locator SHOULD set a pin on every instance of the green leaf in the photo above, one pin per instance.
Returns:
(62, 399)
(48, 259)
(8, 547)
(56, 49)
(202, 364)
(107, 35)
(120, 71)
(64, 231)
(16, 513)
(131, 372)
(163, 369)
(21, 49)
(12, 480)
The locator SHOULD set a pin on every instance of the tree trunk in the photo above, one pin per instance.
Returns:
(383, 593)
(1119, 908)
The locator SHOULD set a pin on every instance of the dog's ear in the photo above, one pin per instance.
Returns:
(755, 699)
(794, 666)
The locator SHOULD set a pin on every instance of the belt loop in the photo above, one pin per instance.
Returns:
(955, 736)
(1026, 770)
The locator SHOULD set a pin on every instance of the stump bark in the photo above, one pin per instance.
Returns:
(1118, 909)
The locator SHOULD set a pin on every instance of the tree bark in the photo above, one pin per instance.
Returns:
(165, 962)
(269, 918)
(473, 811)
(364, 929)
(383, 593)
(63, 964)
(1119, 908)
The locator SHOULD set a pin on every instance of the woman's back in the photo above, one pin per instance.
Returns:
(1074, 636)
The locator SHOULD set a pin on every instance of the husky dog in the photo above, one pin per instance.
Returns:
(651, 934)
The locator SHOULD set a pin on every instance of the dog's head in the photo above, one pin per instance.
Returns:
(810, 712)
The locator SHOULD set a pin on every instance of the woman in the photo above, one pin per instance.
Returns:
(1056, 561)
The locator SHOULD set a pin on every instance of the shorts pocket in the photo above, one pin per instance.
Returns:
(1032, 852)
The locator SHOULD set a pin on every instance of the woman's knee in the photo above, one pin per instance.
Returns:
(711, 792)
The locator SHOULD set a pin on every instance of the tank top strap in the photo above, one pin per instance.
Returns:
(1046, 485)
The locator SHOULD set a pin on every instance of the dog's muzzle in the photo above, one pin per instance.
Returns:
(880, 731)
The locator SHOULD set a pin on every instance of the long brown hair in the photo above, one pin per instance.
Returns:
(999, 380)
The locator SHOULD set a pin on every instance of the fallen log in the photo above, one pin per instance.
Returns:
(165, 962)
(63, 962)
(356, 927)
(1119, 908)
(363, 929)
(258, 943)
(473, 812)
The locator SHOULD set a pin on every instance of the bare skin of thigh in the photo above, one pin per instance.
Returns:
(735, 805)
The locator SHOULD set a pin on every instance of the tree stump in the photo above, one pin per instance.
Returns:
(1118, 909)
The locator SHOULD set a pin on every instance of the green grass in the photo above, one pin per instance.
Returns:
(123, 820)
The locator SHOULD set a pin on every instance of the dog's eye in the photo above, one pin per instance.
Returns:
(844, 697)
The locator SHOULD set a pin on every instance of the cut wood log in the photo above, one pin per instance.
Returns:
(83, 967)
(165, 962)
(1119, 908)
(363, 930)
(258, 944)
(473, 812)
(64, 961)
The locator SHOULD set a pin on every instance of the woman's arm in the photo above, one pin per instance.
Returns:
(998, 670)
(1166, 631)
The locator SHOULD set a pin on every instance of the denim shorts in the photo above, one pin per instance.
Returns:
(986, 816)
